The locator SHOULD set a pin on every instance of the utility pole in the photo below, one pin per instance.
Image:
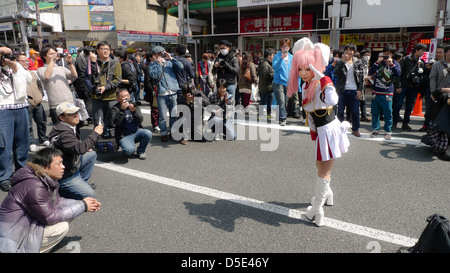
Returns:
(38, 20)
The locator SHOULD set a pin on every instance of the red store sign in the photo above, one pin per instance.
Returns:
(277, 23)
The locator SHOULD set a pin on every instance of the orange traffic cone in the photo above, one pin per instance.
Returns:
(418, 107)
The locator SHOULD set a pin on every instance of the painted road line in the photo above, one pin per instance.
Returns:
(305, 129)
(292, 213)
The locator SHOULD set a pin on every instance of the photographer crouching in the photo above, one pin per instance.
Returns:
(127, 118)
(191, 106)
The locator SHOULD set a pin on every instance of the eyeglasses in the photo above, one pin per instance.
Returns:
(72, 115)
(25, 60)
(104, 49)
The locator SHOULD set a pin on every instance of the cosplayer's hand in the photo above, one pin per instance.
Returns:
(317, 75)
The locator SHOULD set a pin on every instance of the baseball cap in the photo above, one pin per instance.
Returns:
(158, 49)
(225, 42)
(66, 107)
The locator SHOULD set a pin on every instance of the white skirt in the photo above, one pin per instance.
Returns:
(331, 141)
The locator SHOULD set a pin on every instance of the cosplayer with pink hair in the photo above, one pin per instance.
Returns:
(319, 99)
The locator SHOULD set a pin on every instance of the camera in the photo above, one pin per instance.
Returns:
(221, 62)
(10, 57)
(385, 57)
(62, 55)
(95, 89)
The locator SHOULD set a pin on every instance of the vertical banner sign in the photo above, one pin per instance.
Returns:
(413, 41)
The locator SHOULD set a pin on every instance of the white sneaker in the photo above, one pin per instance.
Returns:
(46, 143)
(156, 129)
(142, 156)
(33, 148)
(283, 123)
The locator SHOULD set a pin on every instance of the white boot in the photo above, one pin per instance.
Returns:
(329, 201)
(315, 212)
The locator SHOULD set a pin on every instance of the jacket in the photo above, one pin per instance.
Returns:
(110, 75)
(64, 138)
(410, 65)
(117, 116)
(340, 70)
(32, 203)
(265, 77)
(384, 77)
(187, 73)
(243, 82)
(129, 73)
(281, 70)
(166, 80)
(229, 71)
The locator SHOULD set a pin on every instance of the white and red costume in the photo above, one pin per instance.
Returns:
(328, 132)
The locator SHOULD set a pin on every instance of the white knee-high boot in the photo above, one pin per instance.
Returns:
(329, 201)
(315, 212)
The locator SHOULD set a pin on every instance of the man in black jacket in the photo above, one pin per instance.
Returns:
(78, 156)
(226, 66)
(126, 118)
(412, 77)
(186, 75)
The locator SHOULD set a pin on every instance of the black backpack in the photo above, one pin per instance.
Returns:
(435, 238)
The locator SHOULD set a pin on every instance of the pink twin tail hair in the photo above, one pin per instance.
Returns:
(302, 59)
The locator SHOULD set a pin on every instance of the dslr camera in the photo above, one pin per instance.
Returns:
(62, 55)
(221, 62)
(95, 89)
(10, 57)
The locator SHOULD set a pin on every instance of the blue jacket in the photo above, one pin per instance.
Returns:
(281, 70)
(168, 80)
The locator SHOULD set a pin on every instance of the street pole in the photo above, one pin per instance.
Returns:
(38, 20)
(440, 19)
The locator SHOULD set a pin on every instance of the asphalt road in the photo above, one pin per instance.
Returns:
(231, 197)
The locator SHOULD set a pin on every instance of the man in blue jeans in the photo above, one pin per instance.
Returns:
(14, 119)
(163, 71)
(78, 156)
(385, 70)
(126, 117)
(281, 64)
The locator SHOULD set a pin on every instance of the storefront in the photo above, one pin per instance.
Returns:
(256, 36)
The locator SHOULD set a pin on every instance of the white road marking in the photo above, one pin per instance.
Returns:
(292, 213)
(305, 129)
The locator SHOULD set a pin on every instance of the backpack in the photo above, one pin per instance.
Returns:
(435, 238)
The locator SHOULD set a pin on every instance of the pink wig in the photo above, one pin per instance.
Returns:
(302, 59)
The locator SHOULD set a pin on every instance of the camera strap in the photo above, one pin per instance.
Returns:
(5, 78)
(444, 64)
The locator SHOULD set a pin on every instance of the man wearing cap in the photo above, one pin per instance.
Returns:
(78, 156)
(163, 71)
(226, 66)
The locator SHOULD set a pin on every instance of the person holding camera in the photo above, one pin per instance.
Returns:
(223, 115)
(412, 76)
(56, 79)
(126, 117)
(33, 216)
(226, 66)
(83, 92)
(281, 63)
(79, 158)
(196, 101)
(384, 72)
(14, 116)
(163, 71)
(103, 76)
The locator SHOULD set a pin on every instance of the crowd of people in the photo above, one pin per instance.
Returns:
(105, 87)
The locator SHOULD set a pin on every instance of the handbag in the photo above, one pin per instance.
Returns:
(248, 75)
